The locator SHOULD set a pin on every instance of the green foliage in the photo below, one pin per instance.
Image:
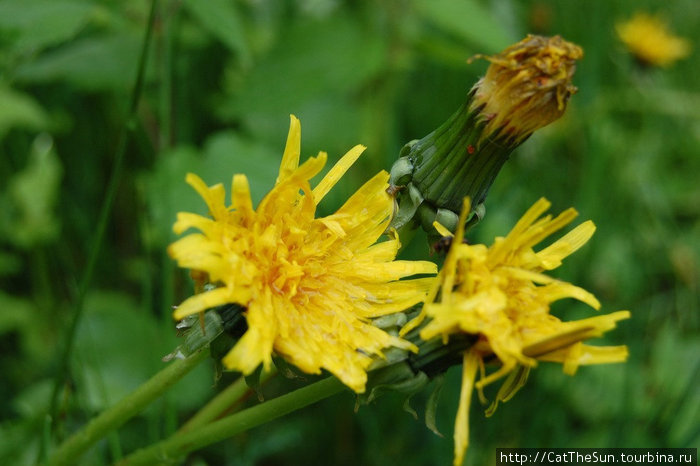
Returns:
(35, 25)
(19, 110)
(222, 78)
(30, 199)
(222, 20)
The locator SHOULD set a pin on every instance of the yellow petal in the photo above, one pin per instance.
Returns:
(537, 209)
(573, 332)
(255, 346)
(461, 434)
(587, 355)
(552, 255)
(247, 354)
(335, 173)
(442, 231)
(201, 302)
(449, 277)
(213, 196)
(186, 220)
(539, 232)
(292, 150)
(416, 321)
(515, 381)
(240, 195)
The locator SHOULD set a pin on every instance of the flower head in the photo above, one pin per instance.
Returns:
(501, 296)
(309, 285)
(648, 38)
(527, 85)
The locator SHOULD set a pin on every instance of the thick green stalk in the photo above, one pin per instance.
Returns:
(221, 403)
(180, 444)
(125, 409)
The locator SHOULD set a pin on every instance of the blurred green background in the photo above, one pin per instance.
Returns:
(222, 78)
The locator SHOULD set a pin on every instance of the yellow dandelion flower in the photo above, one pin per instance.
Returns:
(309, 285)
(501, 295)
(648, 38)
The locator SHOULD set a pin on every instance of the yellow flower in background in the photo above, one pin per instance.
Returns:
(309, 285)
(648, 38)
(500, 295)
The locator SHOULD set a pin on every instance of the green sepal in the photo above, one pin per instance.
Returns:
(431, 404)
(408, 408)
(287, 370)
(401, 172)
(477, 214)
(429, 215)
(199, 333)
(409, 200)
(390, 321)
(435, 356)
(221, 345)
(398, 377)
(447, 218)
(253, 382)
(406, 149)
(426, 216)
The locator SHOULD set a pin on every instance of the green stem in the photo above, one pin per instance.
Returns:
(105, 212)
(180, 444)
(165, 104)
(129, 406)
(221, 403)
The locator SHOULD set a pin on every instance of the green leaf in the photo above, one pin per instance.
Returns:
(32, 193)
(19, 110)
(221, 18)
(10, 263)
(33, 401)
(466, 19)
(117, 347)
(19, 441)
(311, 59)
(15, 313)
(95, 63)
(37, 24)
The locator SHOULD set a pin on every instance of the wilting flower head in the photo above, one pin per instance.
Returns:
(527, 85)
(309, 285)
(650, 41)
(501, 296)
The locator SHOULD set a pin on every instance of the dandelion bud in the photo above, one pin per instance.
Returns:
(526, 87)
